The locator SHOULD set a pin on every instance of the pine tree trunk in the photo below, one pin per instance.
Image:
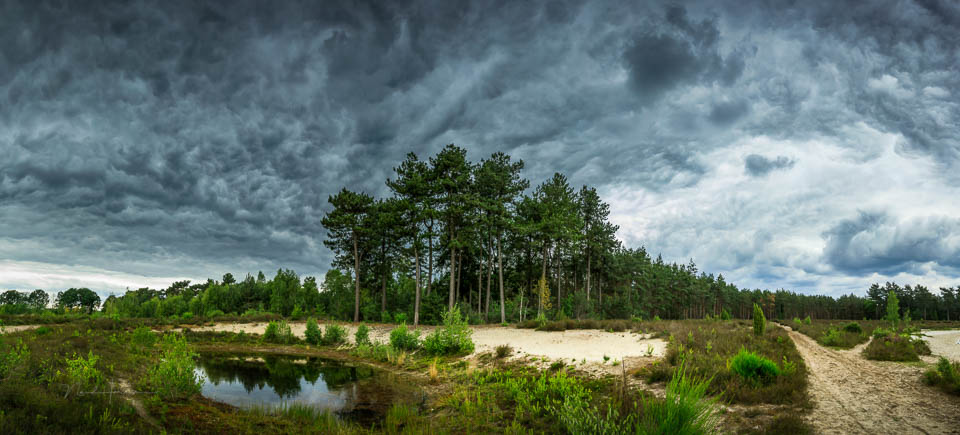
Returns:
(430, 259)
(453, 269)
(416, 304)
(503, 310)
(486, 309)
(356, 281)
(459, 274)
(588, 275)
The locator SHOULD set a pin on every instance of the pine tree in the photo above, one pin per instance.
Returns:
(346, 228)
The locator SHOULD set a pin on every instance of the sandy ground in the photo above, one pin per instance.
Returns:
(574, 345)
(945, 344)
(15, 328)
(855, 395)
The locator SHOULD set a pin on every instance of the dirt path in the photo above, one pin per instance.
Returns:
(855, 395)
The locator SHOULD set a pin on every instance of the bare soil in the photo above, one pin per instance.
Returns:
(578, 345)
(855, 395)
(944, 343)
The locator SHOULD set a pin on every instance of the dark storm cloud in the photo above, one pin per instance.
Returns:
(875, 242)
(205, 137)
(757, 165)
(680, 52)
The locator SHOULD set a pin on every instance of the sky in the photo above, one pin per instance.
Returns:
(806, 145)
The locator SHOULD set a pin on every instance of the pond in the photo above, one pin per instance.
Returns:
(357, 392)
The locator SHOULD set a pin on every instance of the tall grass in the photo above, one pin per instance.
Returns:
(945, 375)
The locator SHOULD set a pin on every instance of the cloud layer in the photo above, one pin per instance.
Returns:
(810, 145)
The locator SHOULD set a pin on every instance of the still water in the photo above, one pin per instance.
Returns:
(271, 380)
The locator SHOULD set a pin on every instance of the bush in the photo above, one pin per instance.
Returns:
(400, 318)
(807, 320)
(403, 339)
(892, 347)
(143, 337)
(753, 367)
(946, 375)
(831, 337)
(725, 315)
(83, 372)
(363, 335)
(278, 332)
(453, 338)
(334, 335)
(853, 327)
(759, 321)
(214, 313)
(17, 353)
(503, 351)
(312, 334)
(174, 376)
(187, 316)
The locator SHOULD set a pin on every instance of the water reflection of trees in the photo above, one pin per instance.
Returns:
(282, 373)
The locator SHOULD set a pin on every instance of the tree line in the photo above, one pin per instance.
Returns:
(473, 234)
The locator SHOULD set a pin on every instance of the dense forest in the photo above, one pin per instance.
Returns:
(474, 234)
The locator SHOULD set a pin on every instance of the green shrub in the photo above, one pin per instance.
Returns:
(214, 313)
(946, 375)
(334, 335)
(143, 337)
(43, 330)
(684, 410)
(174, 376)
(797, 321)
(807, 320)
(853, 327)
(759, 321)
(312, 334)
(403, 339)
(83, 373)
(297, 313)
(400, 318)
(363, 335)
(831, 337)
(725, 315)
(892, 347)
(453, 338)
(187, 316)
(13, 357)
(278, 332)
(753, 367)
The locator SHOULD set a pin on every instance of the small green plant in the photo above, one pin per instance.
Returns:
(853, 327)
(752, 367)
(759, 321)
(312, 335)
(503, 351)
(725, 315)
(656, 318)
(946, 375)
(297, 313)
(174, 376)
(831, 337)
(362, 336)
(334, 335)
(403, 339)
(17, 353)
(896, 347)
(807, 321)
(143, 337)
(278, 332)
(453, 338)
(400, 318)
(83, 373)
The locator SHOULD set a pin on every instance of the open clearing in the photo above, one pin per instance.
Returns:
(581, 344)
(855, 395)
(944, 343)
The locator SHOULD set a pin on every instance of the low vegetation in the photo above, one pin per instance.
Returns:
(745, 368)
(946, 375)
(892, 346)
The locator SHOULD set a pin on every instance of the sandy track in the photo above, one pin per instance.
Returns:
(855, 395)
(582, 344)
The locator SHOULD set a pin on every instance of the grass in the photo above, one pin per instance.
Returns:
(896, 347)
(946, 376)
(563, 325)
(501, 395)
(705, 348)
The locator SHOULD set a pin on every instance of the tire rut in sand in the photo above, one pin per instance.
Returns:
(855, 395)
